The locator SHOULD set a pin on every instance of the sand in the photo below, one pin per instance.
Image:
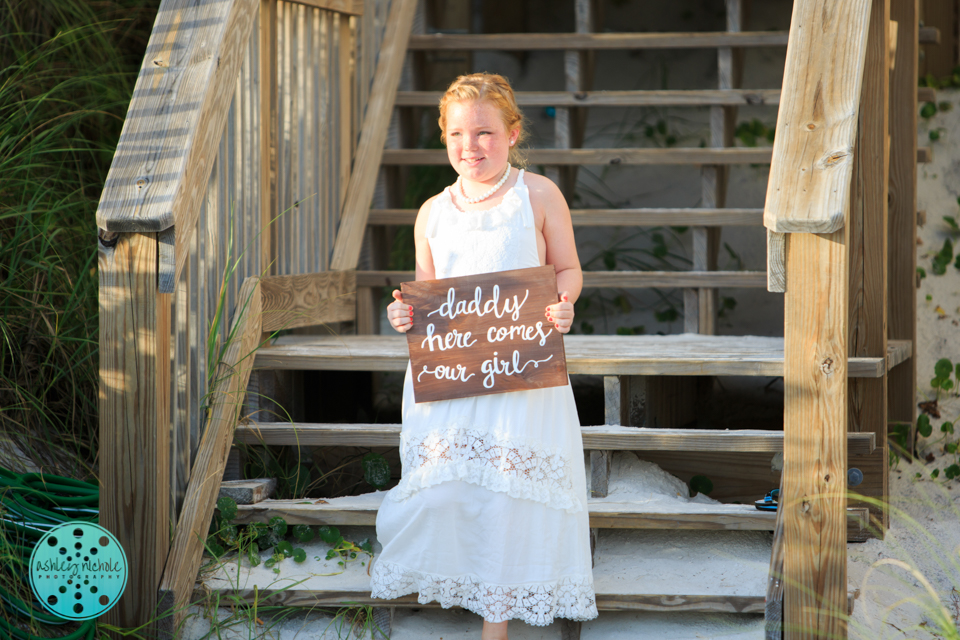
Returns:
(925, 523)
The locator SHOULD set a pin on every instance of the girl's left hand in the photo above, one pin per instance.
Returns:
(561, 314)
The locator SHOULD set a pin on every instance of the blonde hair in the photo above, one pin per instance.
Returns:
(496, 89)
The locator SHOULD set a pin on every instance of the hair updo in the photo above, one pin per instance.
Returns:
(496, 89)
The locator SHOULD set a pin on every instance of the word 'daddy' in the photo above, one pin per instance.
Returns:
(476, 335)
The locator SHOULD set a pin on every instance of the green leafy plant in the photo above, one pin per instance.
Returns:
(753, 131)
(700, 484)
(942, 259)
(944, 438)
(343, 550)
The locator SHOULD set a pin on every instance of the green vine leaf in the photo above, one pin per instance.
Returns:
(227, 507)
(700, 484)
(329, 534)
(924, 428)
(303, 532)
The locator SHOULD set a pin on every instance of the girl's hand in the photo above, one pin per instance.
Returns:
(400, 315)
(561, 314)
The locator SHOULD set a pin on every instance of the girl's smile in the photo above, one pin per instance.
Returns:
(478, 143)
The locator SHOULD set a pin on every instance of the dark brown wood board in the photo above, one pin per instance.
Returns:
(483, 334)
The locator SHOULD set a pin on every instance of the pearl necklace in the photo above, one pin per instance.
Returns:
(493, 189)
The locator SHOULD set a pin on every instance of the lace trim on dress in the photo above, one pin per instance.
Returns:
(520, 470)
(536, 603)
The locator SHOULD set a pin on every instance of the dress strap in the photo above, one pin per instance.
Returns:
(433, 220)
(526, 209)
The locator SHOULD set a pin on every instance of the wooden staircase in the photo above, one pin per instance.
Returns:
(649, 380)
(712, 560)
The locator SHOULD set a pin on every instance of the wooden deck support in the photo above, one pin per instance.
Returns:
(135, 417)
(815, 451)
(809, 198)
(868, 256)
(902, 261)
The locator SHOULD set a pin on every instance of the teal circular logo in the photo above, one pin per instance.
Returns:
(78, 570)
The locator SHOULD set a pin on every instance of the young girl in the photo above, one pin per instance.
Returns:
(491, 510)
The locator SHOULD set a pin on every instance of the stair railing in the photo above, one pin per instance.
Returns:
(233, 165)
(827, 216)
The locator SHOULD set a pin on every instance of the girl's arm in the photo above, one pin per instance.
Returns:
(561, 249)
(399, 314)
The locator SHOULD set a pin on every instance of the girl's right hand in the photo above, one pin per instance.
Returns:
(400, 315)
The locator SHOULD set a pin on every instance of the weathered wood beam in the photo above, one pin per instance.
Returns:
(815, 449)
(809, 184)
(134, 406)
(902, 218)
(373, 135)
(673, 217)
(776, 262)
(612, 437)
(346, 7)
(689, 98)
(269, 131)
(589, 355)
(172, 129)
(868, 256)
(574, 41)
(308, 299)
(229, 385)
(622, 279)
(692, 156)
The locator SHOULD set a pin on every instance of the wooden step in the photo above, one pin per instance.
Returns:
(605, 513)
(619, 279)
(588, 41)
(672, 355)
(660, 217)
(737, 561)
(606, 437)
(618, 156)
(689, 98)
(555, 157)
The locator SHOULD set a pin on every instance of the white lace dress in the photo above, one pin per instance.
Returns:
(491, 511)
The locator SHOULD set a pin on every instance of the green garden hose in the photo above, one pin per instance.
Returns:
(30, 505)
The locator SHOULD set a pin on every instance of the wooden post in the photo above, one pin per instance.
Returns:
(134, 407)
(902, 221)
(268, 135)
(815, 442)
(868, 256)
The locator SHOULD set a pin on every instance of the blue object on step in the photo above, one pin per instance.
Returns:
(769, 502)
(854, 477)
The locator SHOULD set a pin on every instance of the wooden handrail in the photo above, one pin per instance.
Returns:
(172, 129)
(348, 7)
(233, 374)
(373, 135)
(809, 185)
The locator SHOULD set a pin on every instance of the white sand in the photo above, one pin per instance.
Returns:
(925, 526)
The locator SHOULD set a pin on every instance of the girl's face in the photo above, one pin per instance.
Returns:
(478, 143)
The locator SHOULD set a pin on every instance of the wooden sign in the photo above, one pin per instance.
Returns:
(476, 335)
